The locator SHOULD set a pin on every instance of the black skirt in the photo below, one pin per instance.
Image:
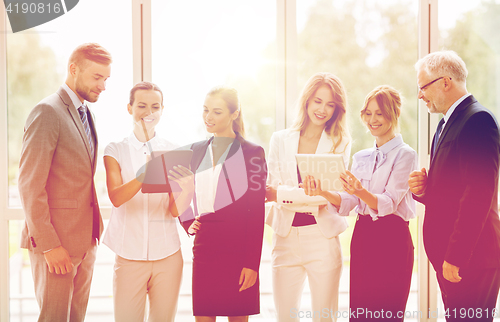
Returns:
(381, 268)
(218, 259)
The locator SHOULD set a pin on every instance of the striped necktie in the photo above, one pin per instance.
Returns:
(83, 115)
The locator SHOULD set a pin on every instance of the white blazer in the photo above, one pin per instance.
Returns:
(282, 170)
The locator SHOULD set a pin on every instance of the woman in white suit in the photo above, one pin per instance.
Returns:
(305, 239)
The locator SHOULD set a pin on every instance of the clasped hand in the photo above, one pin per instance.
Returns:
(450, 272)
(418, 181)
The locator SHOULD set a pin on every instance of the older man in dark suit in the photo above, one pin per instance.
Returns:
(460, 191)
(56, 184)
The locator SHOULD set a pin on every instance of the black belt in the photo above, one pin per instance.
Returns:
(303, 219)
(368, 217)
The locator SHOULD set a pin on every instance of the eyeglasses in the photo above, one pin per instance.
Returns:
(429, 84)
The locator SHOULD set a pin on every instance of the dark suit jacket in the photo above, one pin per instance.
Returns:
(56, 178)
(236, 228)
(461, 223)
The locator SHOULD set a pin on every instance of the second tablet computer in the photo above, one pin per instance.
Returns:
(325, 167)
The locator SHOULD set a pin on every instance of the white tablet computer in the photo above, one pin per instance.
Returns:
(326, 167)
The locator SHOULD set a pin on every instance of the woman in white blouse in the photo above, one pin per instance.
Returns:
(142, 229)
(381, 246)
(305, 239)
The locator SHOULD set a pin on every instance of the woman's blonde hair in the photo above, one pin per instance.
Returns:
(230, 96)
(389, 102)
(336, 126)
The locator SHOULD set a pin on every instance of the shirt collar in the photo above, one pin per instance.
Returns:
(389, 146)
(74, 99)
(454, 106)
(138, 144)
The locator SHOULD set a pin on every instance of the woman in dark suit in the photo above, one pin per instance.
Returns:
(228, 218)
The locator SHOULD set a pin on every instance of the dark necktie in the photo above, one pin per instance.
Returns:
(95, 212)
(436, 137)
(83, 115)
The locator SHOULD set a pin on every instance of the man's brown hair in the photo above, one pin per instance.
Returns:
(90, 51)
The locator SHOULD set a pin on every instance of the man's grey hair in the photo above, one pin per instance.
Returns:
(443, 64)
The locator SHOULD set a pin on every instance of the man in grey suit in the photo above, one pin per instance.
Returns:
(56, 184)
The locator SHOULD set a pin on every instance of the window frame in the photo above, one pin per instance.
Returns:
(428, 34)
(286, 96)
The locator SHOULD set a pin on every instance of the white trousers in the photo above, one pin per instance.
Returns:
(160, 280)
(306, 252)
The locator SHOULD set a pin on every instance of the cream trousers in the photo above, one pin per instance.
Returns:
(306, 252)
(160, 280)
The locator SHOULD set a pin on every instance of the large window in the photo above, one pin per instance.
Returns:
(37, 64)
(365, 44)
(266, 50)
(222, 42)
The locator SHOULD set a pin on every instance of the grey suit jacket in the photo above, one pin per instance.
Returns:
(56, 178)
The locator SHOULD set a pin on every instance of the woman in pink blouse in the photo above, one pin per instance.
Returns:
(377, 187)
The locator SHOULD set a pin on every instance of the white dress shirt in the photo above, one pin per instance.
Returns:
(453, 107)
(74, 98)
(207, 179)
(383, 171)
(141, 228)
(450, 111)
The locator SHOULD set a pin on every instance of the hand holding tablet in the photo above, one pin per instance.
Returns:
(323, 167)
(351, 184)
(159, 169)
